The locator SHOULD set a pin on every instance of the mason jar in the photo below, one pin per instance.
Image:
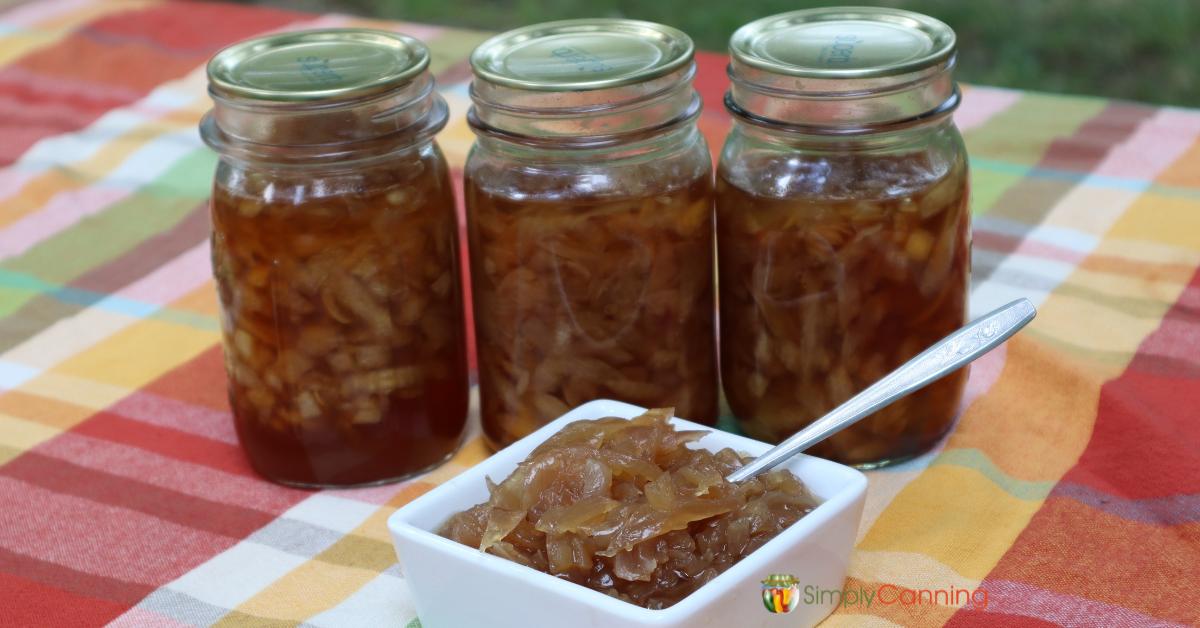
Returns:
(843, 228)
(335, 254)
(589, 217)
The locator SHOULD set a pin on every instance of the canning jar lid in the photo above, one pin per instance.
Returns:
(579, 55)
(842, 69)
(843, 42)
(336, 63)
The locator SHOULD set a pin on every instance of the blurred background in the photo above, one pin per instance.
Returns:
(1146, 50)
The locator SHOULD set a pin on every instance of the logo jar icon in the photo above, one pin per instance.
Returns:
(780, 593)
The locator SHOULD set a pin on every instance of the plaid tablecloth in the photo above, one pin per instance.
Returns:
(1069, 492)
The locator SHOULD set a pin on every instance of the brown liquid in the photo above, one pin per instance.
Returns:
(625, 508)
(823, 294)
(342, 320)
(582, 298)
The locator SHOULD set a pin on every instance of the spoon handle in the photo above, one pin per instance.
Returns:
(947, 355)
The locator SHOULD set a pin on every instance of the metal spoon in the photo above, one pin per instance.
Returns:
(947, 355)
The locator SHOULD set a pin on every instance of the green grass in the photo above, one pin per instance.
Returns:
(1146, 50)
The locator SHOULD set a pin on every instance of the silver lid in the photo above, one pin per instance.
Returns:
(587, 54)
(299, 95)
(842, 67)
(317, 65)
(582, 80)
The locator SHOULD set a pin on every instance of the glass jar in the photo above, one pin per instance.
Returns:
(335, 252)
(589, 216)
(843, 228)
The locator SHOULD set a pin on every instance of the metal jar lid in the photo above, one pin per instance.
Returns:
(321, 95)
(588, 78)
(588, 54)
(328, 64)
(842, 67)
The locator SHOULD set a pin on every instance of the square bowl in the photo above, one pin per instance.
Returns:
(456, 586)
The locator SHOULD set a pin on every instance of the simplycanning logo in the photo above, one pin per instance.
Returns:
(780, 593)
(893, 595)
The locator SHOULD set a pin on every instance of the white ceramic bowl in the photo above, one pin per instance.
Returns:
(456, 586)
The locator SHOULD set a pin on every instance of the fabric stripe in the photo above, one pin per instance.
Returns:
(982, 103)
(1029, 201)
(1019, 599)
(30, 603)
(1095, 538)
(70, 580)
(149, 255)
(36, 25)
(132, 547)
(129, 62)
(169, 475)
(166, 442)
(228, 578)
(1120, 524)
(177, 415)
(174, 194)
(63, 210)
(1158, 142)
(1168, 510)
(384, 595)
(65, 478)
(295, 537)
(181, 607)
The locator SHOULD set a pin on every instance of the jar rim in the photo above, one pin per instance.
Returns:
(943, 110)
(684, 118)
(422, 131)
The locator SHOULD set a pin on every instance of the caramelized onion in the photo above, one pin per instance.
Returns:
(626, 508)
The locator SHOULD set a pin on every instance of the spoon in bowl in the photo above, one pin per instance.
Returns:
(944, 357)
